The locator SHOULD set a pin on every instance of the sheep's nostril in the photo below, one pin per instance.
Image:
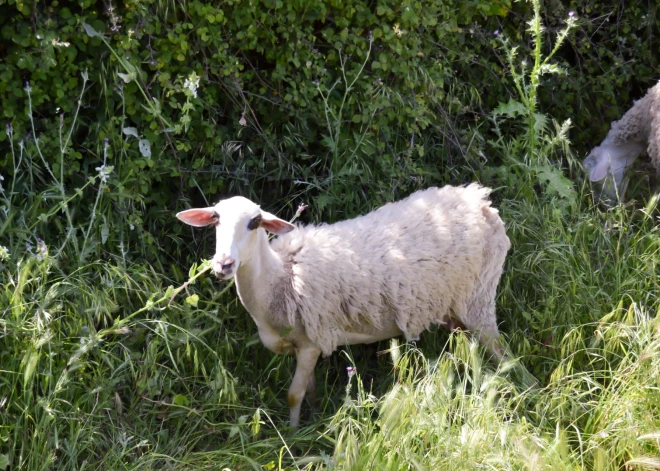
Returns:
(224, 266)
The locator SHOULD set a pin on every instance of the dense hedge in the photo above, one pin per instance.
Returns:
(272, 115)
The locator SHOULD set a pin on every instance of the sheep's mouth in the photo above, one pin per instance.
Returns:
(589, 163)
(224, 276)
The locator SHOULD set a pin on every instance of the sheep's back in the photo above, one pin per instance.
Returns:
(654, 137)
(407, 262)
(637, 123)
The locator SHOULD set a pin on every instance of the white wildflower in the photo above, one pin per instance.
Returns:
(192, 84)
(104, 172)
(57, 42)
(4, 253)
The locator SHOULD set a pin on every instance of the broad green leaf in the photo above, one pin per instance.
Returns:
(540, 120)
(91, 32)
(556, 182)
(127, 78)
(511, 109)
(145, 148)
(192, 300)
(131, 132)
(181, 400)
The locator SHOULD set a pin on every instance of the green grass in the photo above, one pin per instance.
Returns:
(93, 380)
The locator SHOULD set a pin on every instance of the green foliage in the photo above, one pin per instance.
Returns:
(456, 413)
(534, 141)
(274, 98)
(214, 98)
(612, 54)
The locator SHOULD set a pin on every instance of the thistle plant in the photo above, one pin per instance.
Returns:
(527, 79)
(531, 151)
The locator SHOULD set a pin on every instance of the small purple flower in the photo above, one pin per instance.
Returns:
(42, 250)
(106, 140)
(302, 207)
(351, 370)
(27, 83)
(571, 13)
(496, 32)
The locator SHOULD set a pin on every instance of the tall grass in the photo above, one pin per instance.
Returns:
(458, 413)
(102, 366)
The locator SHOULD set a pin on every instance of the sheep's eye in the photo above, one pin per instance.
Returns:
(254, 222)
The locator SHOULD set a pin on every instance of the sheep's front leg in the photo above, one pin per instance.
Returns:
(306, 358)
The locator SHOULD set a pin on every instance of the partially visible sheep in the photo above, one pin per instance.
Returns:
(435, 257)
(636, 131)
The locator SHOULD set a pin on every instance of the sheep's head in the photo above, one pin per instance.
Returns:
(607, 164)
(238, 222)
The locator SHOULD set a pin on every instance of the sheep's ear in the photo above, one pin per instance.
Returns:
(198, 217)
(273, 224)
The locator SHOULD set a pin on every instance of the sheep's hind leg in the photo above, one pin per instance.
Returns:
(480, 314)
(306, 358)
(479, 318)
(490, 338)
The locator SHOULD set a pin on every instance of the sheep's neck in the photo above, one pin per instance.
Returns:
(256, 277)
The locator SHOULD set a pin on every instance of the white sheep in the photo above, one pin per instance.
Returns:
(435, 257)
(638, 130)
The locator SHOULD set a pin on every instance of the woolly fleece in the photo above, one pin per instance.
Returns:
(436, 254)
(637, 130)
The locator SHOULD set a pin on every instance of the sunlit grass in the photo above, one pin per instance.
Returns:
(192, 388)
